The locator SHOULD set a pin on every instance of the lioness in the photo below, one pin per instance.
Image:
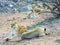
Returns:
(18, 30)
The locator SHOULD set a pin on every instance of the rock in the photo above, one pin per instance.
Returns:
(24, 18)
(13, 18)
(25, 8)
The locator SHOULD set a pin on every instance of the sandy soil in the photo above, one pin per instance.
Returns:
(6, 19)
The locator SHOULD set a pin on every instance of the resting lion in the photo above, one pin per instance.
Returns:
(36, 8)
(19, 30)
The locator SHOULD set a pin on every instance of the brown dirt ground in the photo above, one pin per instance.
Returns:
(6, 19)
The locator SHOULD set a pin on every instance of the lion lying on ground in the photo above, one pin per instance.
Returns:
(19, 30)
(36, 8)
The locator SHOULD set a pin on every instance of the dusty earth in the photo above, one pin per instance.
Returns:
(21, 18)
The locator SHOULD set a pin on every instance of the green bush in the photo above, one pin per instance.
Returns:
(58, 40)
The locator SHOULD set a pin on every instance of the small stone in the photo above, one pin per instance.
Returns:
(3, 33)
(24, 44)
(13, 18)
(24, 18)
